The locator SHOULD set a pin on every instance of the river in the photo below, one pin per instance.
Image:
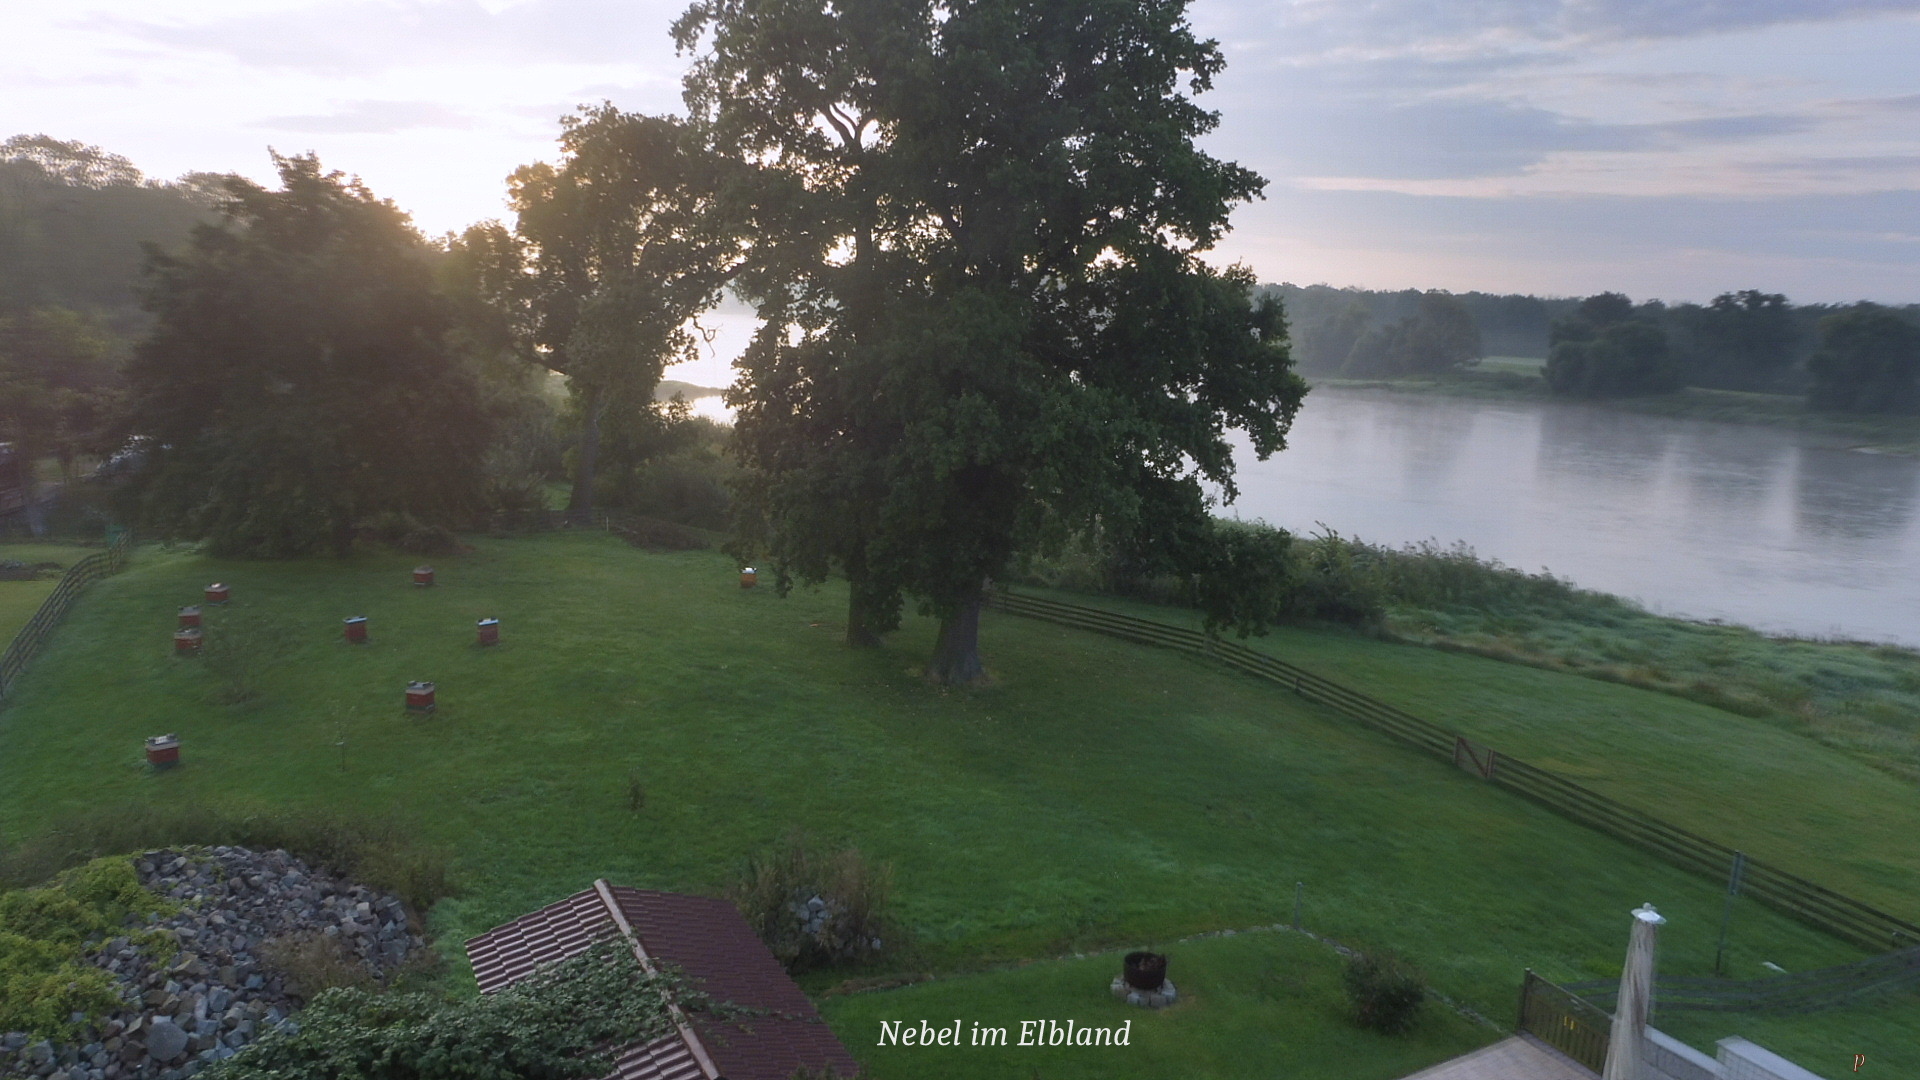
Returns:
(1765, 527)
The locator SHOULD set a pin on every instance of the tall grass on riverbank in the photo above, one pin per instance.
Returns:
(1859, 697)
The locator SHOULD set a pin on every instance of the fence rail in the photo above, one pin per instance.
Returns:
(1565, 1021)
(1822, 908)
(26, 644)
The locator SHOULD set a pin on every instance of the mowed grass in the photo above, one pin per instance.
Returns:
(1261, 1004)
(1099, 795)
(20, 599)
(1781, 797)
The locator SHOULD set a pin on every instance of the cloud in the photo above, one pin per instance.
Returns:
(1322, 31)
(366, 37)
(373, 118)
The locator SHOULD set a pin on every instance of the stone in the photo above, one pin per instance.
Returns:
(166, 1041)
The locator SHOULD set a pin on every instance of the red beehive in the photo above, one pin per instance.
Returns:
(748, 578)
(420, 697)
(489, 631)
(356, 628)
(186, 641)
(217, 593)
(189, 616)
(163, 750)
(423, 575)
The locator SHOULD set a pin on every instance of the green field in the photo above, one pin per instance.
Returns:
(20, 599)
(1100, 795)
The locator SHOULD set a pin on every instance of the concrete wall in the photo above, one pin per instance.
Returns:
(1742, 1060)
(1667, 1058)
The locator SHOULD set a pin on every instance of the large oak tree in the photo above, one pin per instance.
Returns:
(978, 231)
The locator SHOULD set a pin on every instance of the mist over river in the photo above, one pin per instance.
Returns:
(1771, 528)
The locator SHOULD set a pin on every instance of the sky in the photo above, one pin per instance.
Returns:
(1663, 148)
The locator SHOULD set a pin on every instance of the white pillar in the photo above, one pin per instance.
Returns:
(1626, 1047)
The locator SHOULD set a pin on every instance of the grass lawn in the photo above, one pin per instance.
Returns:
(1781, 797)
(20, 599)
(1100, 795)
(1254, 1005)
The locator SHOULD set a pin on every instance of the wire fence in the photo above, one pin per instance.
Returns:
(1803, 991)
(1815, 905)
(26, 644)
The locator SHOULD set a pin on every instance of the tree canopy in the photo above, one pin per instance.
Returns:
(1439, 336)
(1869, 362)
(612, 252)
(977, 236)
(1605, 349)
(299, 376)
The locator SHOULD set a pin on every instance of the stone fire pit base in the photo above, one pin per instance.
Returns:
(1149, 999)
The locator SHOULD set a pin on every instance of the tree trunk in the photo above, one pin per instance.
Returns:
(956, 654)
(860, 631)
(580, 500)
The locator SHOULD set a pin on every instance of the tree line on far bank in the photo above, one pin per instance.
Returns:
(1860, 357)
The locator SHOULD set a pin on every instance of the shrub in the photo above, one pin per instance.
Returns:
(1385, 991)
(557, 1024)
(241, 653)
(815, 910)
(378, 852)
(313, 963)
(43, 980)
(404, 532)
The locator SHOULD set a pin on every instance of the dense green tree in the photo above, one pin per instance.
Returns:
(1741, 341)
(59, 384)
(986, 322)
(1606, 349)
(612, 252)
(299, 376)
(1439, 336)
(1868, 362)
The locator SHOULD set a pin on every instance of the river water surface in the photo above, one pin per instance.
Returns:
(1766, 527)
(1763, 526)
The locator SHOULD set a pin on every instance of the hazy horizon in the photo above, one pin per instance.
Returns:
(1657, 148)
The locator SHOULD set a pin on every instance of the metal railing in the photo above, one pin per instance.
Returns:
(1564, 1021)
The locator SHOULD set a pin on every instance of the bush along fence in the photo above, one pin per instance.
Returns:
(1820, 907)
(78, 576)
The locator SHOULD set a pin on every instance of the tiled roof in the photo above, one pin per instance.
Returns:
(720, 954)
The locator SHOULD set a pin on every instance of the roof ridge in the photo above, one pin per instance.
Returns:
(680, 1023)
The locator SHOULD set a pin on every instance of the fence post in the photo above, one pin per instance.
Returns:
(1526, 993)
(1726, 911)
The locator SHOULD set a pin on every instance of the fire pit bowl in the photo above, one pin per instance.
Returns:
(1144, 970)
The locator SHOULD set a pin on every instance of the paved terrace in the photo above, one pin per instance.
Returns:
(1517, 1058)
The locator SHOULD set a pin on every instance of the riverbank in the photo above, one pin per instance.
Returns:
(1861, 698)
(1519, 379)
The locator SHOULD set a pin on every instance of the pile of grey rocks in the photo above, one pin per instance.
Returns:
(204, 992)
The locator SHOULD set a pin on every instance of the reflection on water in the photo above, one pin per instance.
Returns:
(1756, 525)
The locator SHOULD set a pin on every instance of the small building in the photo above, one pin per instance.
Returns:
(709, 941)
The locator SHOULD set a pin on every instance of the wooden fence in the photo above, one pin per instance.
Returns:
(1565, 1021)
(78, 576)
(1823, 908)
